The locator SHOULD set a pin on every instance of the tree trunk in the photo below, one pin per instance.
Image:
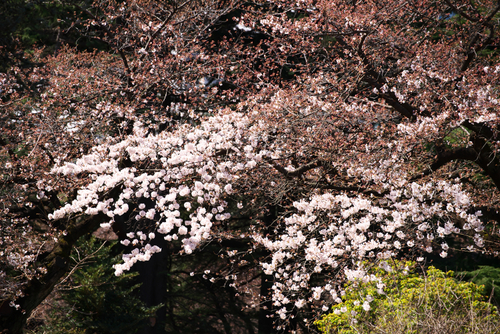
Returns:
(153, 278)
(266, 307)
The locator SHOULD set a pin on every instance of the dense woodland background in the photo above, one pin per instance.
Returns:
(76, 74)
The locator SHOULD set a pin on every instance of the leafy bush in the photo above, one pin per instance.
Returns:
(410, 303)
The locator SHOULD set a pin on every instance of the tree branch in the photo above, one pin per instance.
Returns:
(298, 171)
(461, 12)
(480, 153)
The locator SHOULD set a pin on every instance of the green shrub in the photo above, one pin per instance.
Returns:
(433, 303)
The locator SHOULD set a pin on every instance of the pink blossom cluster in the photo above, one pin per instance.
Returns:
(332, 234)
(190, 170)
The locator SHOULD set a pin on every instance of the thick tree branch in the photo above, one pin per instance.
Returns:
(480, 129)
(297, 171)
(357, 189)
(480, 153)
(445, 156)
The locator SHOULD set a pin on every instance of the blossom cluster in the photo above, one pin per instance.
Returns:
(190, 170)
(332, 234)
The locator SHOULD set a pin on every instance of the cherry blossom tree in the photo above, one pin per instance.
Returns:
(342, 131)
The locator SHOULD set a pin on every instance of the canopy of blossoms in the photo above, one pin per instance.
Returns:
(341, 132)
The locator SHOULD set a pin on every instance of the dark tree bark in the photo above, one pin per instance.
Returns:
(266, 313)
(153, 277)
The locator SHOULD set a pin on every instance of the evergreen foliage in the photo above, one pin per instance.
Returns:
(489, 277)
(98, 301)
